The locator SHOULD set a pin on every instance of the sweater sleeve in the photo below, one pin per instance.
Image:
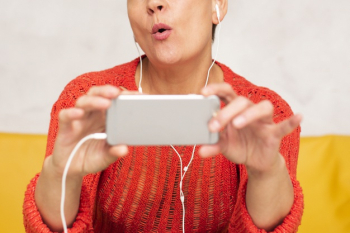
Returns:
(289, 148)
(33, 222)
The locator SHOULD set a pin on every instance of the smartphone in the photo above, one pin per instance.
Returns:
(161, 120)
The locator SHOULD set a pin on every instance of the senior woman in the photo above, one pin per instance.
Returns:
(244, 183)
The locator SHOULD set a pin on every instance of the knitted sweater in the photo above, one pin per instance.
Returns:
(140, 192)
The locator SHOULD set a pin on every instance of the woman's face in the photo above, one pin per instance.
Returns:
(172, 31)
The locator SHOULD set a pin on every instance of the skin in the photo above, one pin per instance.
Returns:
(177, 65)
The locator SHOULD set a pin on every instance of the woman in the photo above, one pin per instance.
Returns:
(244, 183)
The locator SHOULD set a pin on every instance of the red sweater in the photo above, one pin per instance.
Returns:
(140, 192)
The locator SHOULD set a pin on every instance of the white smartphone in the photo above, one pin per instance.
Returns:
(161, 120)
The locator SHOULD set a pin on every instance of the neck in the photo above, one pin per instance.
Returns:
(183, 78)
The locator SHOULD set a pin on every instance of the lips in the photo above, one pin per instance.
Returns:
(161, 31)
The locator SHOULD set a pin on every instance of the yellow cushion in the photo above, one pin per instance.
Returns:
(324, 174)
(21, 157)
(323, 170)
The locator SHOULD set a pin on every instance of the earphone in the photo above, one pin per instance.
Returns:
(217, 11)
(102, 136)
(182, 197)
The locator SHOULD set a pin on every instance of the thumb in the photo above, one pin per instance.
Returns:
(118, 151)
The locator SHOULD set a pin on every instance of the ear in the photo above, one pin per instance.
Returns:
(222, 5)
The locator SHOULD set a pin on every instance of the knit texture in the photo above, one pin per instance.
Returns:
(140, 192)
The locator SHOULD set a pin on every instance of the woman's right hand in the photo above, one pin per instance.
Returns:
(87, 117)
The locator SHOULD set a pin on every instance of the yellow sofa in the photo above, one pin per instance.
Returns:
(323, 170)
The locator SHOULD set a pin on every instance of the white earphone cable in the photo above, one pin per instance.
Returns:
(182, 197)
(217, 49)
(138, 50)
(99, 136)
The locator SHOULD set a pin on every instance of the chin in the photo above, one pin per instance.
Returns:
(166, 57)
(169, 56)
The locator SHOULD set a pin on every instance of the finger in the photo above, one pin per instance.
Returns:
(119, 151)
(287, 126)
(67, 116)
(223, 90)
(106, 91)
(90, 103)
(225, 115)
(207, 151)
(261, 111)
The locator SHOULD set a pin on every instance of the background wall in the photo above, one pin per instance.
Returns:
(298, 48)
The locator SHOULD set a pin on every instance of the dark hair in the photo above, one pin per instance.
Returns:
(213, 32)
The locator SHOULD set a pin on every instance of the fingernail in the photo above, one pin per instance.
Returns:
(123, 150)
(239, 121)
(205, 91)
(214, 126)
(202, 153)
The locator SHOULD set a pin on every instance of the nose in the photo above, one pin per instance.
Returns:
(154, 6)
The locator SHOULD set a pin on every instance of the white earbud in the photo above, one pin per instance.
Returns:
(217, 11)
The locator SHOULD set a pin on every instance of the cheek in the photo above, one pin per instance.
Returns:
(197, 28)
(136, 19)
(199, 17)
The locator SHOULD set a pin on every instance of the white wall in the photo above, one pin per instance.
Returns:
(298, 48)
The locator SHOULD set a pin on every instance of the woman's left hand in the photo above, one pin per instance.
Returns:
(248, 134)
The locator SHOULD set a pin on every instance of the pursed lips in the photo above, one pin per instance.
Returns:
(160, 27)
(161, 31)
